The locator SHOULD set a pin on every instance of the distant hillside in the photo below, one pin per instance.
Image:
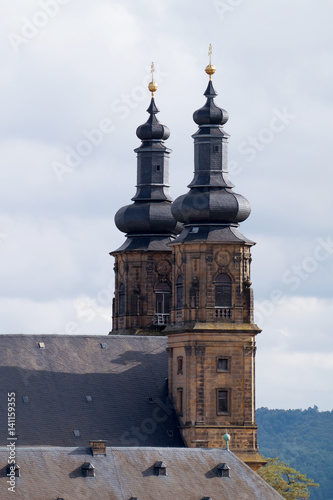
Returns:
(304, 439)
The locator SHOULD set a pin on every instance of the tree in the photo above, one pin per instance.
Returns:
(290, 483)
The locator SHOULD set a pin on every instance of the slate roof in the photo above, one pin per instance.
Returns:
(51, 473)
(126, 381)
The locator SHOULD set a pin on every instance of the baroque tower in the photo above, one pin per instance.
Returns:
(143, 264)
(211, 336)
(185, 269)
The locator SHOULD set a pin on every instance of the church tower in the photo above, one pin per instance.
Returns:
(211, 336)
(143, 264)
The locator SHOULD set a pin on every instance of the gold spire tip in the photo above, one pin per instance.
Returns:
(210, 69)
(152, 86)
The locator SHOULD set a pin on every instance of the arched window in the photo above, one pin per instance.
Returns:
(223, 291)
(162, 294)
(121, 300)
(179, 292)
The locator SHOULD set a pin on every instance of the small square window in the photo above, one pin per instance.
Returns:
(223, 364)
(76, 433)
(41, 345)
(88, 399)
(150, 400)
(25, 399)
(104, 346)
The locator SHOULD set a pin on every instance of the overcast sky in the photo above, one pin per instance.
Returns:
(69, 67)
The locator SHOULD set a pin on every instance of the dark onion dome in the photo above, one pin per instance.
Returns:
(147, 218)
(215, 206)
(211, 201)
(210, 114)
(148, 222)
(153, 129)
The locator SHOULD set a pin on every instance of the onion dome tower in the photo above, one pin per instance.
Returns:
(211, 211)
(211, 337)
(143, 262)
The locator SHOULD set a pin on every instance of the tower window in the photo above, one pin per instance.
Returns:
(163, 294)
(216, 149)
(121, 298)
(180, 401)
(179, 292)
(179, 364)
(194, 293)
(158, 168)
(223, 403)
(223, 364)
(223, 291)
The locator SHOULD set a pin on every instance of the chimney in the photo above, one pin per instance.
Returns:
(98, 447)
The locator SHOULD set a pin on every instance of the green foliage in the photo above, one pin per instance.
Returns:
(290, 483)
(304, 439)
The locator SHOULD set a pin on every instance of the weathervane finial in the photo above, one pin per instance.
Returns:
(210, 69)
(152, 85)
(210, 51)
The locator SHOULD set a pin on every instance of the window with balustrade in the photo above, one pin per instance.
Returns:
(223, 291)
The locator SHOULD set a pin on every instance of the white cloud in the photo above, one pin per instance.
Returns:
(94, 57)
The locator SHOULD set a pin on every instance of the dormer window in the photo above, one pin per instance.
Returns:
(222, 470)
(160, 469)
(88, 470)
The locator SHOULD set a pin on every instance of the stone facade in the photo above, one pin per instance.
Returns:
(138, 276)
(212, 348)
(198, 266)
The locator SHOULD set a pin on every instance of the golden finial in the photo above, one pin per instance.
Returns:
(152, 85)
(210, 69)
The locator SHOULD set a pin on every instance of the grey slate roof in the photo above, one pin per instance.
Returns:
(212, 234)
(51, 473)
(57, 379)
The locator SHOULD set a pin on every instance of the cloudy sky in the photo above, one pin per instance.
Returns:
(77, 70)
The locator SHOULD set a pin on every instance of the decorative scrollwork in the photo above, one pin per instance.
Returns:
(249, 350)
